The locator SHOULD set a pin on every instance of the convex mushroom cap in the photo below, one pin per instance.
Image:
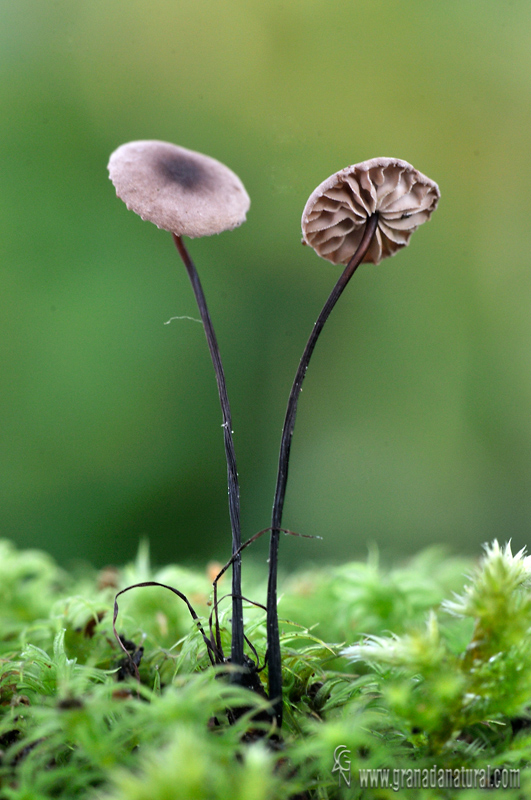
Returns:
(182, 191)
(334, 218)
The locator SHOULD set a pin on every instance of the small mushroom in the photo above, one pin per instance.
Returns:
(182, 191)
(363, 213)
(190, 194)
(334, 218)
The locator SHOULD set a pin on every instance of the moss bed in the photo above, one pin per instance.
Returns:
(421, 672)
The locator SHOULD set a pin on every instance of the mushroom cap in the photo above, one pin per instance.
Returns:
(333, 220)
(179, 190)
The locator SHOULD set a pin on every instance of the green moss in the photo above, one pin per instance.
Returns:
(425, 682)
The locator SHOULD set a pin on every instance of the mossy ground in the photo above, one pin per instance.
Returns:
(436, 676)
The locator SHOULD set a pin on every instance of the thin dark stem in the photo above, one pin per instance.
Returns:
(273, 640)
(232, 474)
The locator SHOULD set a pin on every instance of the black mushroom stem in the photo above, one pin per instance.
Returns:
(237, 656)
(273, 640)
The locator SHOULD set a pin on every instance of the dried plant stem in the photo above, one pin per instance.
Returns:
(273, 641)
(232, 474)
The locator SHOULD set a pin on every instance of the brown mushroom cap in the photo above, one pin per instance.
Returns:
(179, 190)
(333, 220)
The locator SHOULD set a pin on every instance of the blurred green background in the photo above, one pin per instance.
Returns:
(414, 424)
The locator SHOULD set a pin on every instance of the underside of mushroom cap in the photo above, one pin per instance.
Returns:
(180, 190)
(334, 218)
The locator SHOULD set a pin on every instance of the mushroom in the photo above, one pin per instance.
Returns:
(184, 192)
(334, 218)
(190, 194)
(362, 213)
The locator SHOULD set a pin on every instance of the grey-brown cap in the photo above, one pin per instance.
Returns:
(182, 191)
(334, 218)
